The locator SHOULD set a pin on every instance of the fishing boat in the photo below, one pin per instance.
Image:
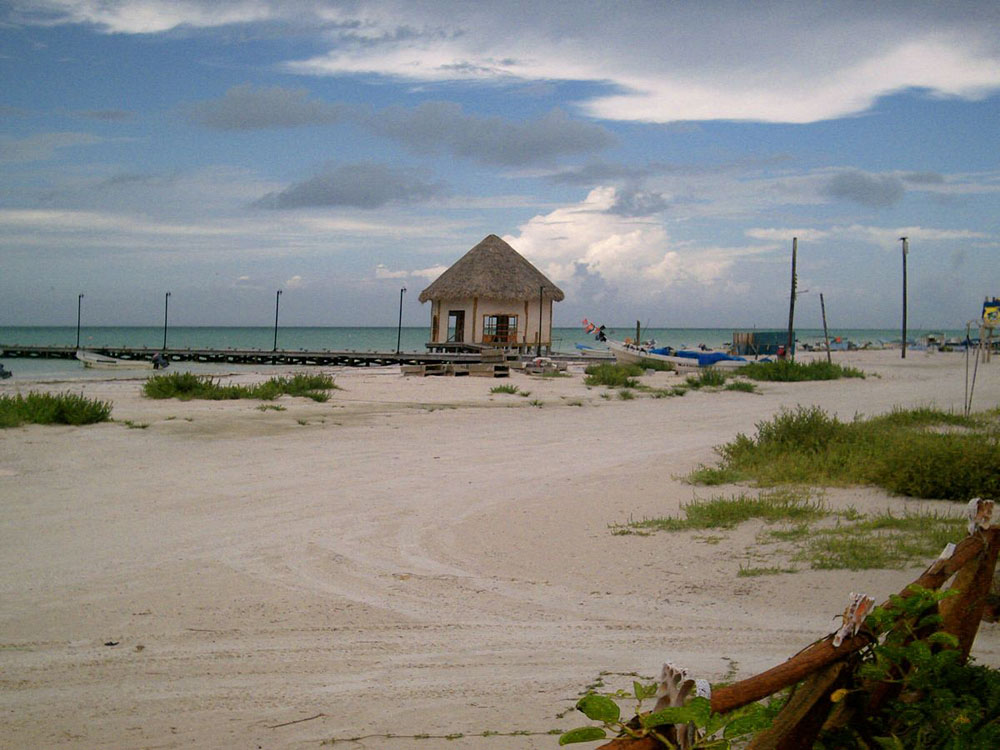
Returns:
(643, 355)
(102, 362)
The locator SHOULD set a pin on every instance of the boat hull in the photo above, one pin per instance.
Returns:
(632, 355)
(100, 362)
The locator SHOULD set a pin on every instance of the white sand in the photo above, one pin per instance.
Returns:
(414, 556)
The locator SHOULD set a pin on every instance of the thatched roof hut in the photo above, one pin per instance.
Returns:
(492, 270)
(506, 301)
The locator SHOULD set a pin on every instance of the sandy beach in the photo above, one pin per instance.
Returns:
(414, 556)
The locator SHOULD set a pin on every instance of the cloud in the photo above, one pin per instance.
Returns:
(146, 17)
(589, 246)
(105, 115)
(923, 178)
(876, 191)
(41, 147)
(247, 108)
(435, 126)
(356, 186)
(638, 203)
(679, 62)
(659, 62)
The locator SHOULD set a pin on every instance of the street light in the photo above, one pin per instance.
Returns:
(277, 299)
(399, 328)
(166, 303)
(906, 249)
(79, 308)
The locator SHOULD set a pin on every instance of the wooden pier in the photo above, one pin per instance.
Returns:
(322, 358)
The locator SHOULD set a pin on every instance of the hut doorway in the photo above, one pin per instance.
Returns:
(456, 325)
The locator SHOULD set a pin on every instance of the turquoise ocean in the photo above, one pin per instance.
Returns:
(362, 339)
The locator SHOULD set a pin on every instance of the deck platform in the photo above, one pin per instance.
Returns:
(323, 358)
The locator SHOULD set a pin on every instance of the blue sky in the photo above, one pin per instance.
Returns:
(654, 159)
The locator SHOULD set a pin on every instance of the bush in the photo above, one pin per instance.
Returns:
(900, 452)
(787, 370)
(186, 386)
(47, 408)
(614, 376)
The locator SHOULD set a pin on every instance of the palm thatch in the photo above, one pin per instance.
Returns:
(492, 270)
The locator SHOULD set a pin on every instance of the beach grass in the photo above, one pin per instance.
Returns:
(923, 453)
(729, 512)
(789, 371)
(613, 375)
(186, 386)
(49, 408)
(822, 538)
(707, 377)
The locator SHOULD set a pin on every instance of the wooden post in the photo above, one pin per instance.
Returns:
(906, 249)
(637, 333)
(541, 302)
(826, 334)
(791, 303)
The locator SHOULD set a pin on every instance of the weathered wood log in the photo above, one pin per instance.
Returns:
(822, 652)
(974, 559)
(801, 719)
(962, 613)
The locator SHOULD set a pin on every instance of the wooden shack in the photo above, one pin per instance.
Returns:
(491, 297)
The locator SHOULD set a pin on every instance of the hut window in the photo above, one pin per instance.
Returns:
(499, 329)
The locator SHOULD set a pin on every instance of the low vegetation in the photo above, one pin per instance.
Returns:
(505, 388)
(186, 386)
(48, 408)
(788, 371)
(613, 375)
(923, 453)
(811, 533)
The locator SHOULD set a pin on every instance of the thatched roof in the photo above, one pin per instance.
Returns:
(492, 270)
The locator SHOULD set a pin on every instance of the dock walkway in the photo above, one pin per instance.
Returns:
(323, 358)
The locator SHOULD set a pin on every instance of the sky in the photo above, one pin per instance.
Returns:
(654, 159)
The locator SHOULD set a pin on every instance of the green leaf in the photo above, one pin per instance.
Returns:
(643, 691)
(889, 743)
(582, 734)
(746, 724)
(599, 708)
(669, 715)
(945, 639)
(702, 708)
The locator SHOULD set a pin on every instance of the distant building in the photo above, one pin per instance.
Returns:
(491, 297)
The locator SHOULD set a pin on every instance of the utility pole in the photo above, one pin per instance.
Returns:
(166, 306)
(826, 333)
(79, 309)
(906, 249)
(277, 300)
(790, 344)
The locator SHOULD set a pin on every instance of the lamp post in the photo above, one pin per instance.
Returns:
(906, 249)
(277, 299)
(166, 304)
(399, 328)
(79, 308)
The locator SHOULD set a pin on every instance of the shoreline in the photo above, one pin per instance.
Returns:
(416, 555)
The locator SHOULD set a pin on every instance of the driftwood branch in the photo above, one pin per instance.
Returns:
(973, 559)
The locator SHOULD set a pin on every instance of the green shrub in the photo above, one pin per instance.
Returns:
(613, 375)
(48, 408)
(186, 386)
(787, 370)
(905, 452)
(707, 377)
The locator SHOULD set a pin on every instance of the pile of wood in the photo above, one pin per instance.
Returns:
(829, 664)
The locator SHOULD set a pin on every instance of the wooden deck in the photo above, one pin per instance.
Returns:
(324, 358)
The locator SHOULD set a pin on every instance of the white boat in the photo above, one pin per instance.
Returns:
(102, 362)
(643, 355)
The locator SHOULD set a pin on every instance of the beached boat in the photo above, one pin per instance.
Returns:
(628, 353)
(102, 362)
